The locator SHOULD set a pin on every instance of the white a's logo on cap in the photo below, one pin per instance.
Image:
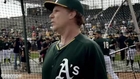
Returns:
(56, 1)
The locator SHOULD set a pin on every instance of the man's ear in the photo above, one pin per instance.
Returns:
(72, 14)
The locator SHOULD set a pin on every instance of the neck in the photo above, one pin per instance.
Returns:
(98, 37)
(69, 34)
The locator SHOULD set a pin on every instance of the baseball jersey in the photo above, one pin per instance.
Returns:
(104, 45)
(11, 44)
(6, 45)
(112, 43)
(131, 42)
(80, 59)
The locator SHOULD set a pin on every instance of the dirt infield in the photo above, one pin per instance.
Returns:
(128, 75)
(31, 76)
(121, 75)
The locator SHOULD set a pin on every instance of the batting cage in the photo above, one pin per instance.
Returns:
(28, 22)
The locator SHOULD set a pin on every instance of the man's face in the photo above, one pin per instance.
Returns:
(59, 17)
(47, 41)
(110, 36)
(96, 35)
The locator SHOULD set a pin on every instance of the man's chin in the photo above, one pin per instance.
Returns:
(54, 29)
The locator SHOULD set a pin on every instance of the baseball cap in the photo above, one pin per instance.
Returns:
(70, 4)
(47, 38)
(109, 35)
(99, 32)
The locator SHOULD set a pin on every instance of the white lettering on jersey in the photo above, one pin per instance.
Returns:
(65, 69)
(106, 45)
(76, 72)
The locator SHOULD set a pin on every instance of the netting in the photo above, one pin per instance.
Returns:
(111, 17)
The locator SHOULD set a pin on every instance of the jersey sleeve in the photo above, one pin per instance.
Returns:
(136, 39)
(95, 64)
(126, 41)
(114, 41)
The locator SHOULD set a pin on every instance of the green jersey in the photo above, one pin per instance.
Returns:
(112, 43)
(131, 42)
(104, 45)
(6, 45)
(80, 59)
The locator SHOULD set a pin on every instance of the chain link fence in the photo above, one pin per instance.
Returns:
(111, 15)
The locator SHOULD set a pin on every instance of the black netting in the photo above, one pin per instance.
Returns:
(111, 17)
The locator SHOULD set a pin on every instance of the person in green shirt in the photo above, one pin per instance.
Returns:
(75, 56)
(105, 46)
(112, 46)
(6, 53)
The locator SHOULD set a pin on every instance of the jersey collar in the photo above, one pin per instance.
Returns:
(78, 37)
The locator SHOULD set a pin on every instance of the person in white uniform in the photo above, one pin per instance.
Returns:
(131, 50)
(6, 52)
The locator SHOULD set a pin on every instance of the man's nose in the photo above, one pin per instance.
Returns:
(51, 15)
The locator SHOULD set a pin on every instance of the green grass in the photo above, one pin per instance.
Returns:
(137, 57)
(34, 55)
(118, 57)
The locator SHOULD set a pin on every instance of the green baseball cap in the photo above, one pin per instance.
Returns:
(98, 32)
(70, 4)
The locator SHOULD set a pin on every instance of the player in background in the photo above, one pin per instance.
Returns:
(23, 56)
(90, 34)
(131, 50)
(11, 47)
(39, 47)
(1, 48)
(45, 45)
(1, 55)
(121, 44)
(112, 46)
(17, 52)
(6, 52)
(104, 45)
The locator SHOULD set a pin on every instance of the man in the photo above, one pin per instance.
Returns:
(121, 40)
(90, 34)
(45, 46)
(23, 56)
(6, 53)
(104, 45)
(1, 54)
(75, 56)
(17, 46)
(131, 50)
(112, 46)
(1, 48)
(11, 41)
(39, 46)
